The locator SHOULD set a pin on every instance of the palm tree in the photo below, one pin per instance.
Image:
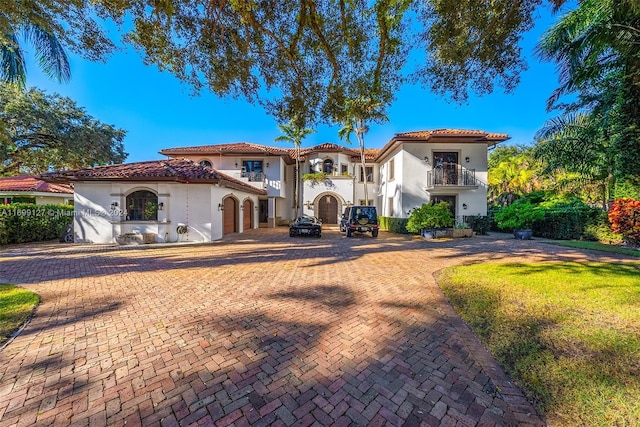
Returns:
(293, 132)
(357, 113)
(596, 49)
(49, 52)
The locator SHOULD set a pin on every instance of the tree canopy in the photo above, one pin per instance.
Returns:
(301, 57)
(39, 131)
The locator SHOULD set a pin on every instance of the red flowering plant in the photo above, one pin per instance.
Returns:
(624, 217)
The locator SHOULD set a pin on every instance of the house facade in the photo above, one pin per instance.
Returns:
(411, 169)
(215, 190)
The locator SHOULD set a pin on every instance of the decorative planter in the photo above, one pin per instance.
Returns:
(459, 232)
(522, 234)
(428, 234)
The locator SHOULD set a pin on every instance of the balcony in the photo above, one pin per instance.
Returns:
(451, 177)
(253, 176)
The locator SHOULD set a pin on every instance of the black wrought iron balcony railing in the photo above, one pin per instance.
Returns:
(451, 176)
(253, 176)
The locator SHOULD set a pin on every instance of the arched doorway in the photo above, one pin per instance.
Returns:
(328, 209)
(247, 211)
(230, 213)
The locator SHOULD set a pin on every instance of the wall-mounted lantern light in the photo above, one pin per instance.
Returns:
(160, 206)
(464, 206)
(308, 204)
(467, 159)
(220, 207)
(114, 205)
(267, 164)
(236, 164)
(426, 159)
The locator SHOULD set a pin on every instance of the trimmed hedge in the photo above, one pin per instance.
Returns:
(26, 222)
(565, 221)
(394, 225)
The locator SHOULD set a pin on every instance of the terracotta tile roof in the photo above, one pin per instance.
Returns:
(445, 135)
(222, 149)
(328, 147)
(178, 170)
(33, 184)
(461, 133)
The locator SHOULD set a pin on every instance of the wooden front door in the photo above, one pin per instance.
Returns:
(247, 212)
(328, 209)
(230, 215)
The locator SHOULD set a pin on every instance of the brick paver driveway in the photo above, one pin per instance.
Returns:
(255, 329)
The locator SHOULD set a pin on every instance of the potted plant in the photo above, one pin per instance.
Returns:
(519, 217)
(461, 229)
(429, 218)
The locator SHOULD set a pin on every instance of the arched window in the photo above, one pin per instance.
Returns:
(142, 205)
(206, 163)
(327, 166)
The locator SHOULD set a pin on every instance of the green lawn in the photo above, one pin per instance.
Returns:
(595, 246)
(16, 305)
(568, 333)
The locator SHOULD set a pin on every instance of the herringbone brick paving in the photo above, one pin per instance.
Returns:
(255, 329)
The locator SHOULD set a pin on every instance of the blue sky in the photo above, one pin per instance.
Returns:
(158, 111)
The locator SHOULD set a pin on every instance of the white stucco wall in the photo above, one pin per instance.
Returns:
(195, 205)
(408, 188)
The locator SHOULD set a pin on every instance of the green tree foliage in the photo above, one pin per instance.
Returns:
(50, 54)
(355, 116)
(513, 172)
(41, 131)
(294, 133)
(302, 55)
(596, 49)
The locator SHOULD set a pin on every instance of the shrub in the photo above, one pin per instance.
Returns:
(599, 230)
(520, 215)
(624, 216)
(393, 225)
(479, 224)
(25, 222)
(564, 219)
(430, 216)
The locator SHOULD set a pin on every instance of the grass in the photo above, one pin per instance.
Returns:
(568, 333)
(596, 246)
(16, 305)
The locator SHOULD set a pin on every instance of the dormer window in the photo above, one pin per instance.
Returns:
(205, 163)
(327, 166)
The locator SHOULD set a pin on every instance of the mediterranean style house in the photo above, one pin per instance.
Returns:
(202, 193)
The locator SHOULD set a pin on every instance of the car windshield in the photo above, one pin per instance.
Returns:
(306, 219)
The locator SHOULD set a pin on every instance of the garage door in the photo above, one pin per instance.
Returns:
(328, 210)
(230, 215)
(247, 211)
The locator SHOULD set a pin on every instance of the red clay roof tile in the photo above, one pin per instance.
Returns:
(178, 170)
(34, 184)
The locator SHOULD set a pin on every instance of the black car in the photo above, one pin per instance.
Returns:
(362, 219)
(305, 226)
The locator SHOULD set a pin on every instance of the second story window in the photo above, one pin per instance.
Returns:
(327, 166)
(252, 169)
(391, 173)
(344, 169)
(369, 174)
